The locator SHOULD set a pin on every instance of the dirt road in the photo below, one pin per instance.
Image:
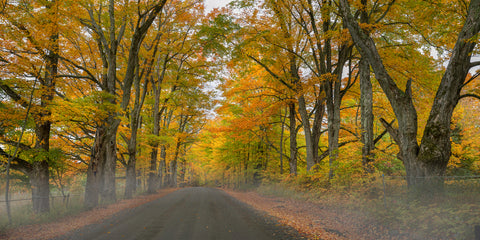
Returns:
(191, 213)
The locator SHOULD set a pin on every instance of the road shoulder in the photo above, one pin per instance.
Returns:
(65, 225)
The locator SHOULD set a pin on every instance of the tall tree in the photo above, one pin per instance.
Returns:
(366, 103)
(101, 172)
(426, 161)
(35, 26)
(326, 60)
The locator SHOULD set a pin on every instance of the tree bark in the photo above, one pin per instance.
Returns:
(317, 127)
(162, 170)
(333, 101)
(282, 131)
(39, 178)
(366, 105)
(173, 168)
(135, 119)
(95, 170)
(302, 109)
(152, 176)
(293, 138)
(131, 177)
(366, 109)
(333, 116)
(109, 171)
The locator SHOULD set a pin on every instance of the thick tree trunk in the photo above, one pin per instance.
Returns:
(293, 138)
(39, 179)
(162, 168)
(95, 169)
(173, 165)
(302, 109)
(317, 128)
(173, 174)
(333, 100)
(366, 109)
(182, 171)
(152, 176)
(102, 166)
(131, 177)
(109, 186)
(366, 105)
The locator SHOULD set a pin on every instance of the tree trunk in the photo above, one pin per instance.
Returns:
(95, 169)
(152, 176)
(282, 131)
(333, 100)
(293, 139)
(366, 108)
(109, 170)
(366, 105)
(162, 168)
(39, 179)
(302, 109)
(173, 173)
(317, 127)
(131, 177)
(182, 173)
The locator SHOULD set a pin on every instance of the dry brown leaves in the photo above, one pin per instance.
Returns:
(312, 219)
(70, 223)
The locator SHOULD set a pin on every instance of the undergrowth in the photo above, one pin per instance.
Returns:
(450, 215)
(24, 214)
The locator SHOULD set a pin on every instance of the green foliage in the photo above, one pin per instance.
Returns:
(215, 37)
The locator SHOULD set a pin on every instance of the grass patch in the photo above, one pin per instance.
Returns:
(23, 214)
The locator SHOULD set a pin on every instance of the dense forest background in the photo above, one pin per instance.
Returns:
(112, 98)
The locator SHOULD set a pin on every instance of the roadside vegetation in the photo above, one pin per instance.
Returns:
(362, 211)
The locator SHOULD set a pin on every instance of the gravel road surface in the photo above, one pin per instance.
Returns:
(190, 213)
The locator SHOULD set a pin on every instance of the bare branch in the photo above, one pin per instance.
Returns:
(469, 95)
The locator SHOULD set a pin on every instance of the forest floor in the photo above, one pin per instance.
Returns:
(70, 223)
(316, 220)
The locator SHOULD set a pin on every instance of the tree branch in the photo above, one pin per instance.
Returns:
(15, 96)
(392, 131)
(270, 71)
(469, 95)
(377, 139)
(17, 163)
(474, 64)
